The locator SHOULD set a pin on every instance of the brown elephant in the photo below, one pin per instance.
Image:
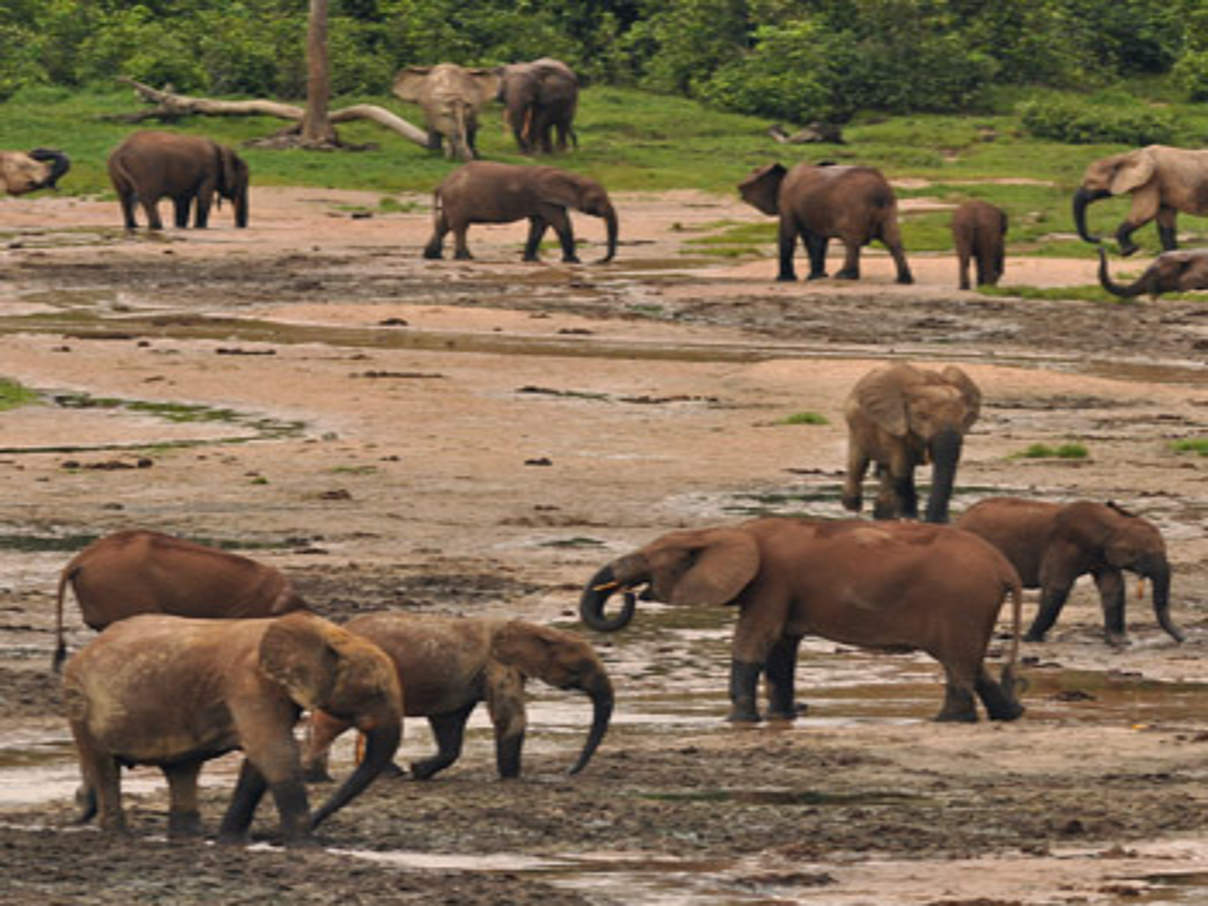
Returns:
(486, 192)
(1162, 181)
(447, 665)
(137, 571)
(1171, 272)
(893, 586)
(540, 98)
(22, 172)
(176, 692)
(1052, 544)
(978, 231)
(900, 417)
(188, 169)
(450, 97)
(818, 203)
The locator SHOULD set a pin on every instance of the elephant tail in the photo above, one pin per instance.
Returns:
(68, 574)
(1009, 682)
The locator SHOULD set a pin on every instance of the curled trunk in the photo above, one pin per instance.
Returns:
(241, 207)
(596, 593)
(945, 450)
(1135, 288)
(1082, 198)
(601, 698)
(382, 742)
(59, 164)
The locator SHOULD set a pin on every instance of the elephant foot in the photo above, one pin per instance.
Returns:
(316, 773)
(183, 824)
(848, 273)
(463, 256)
(530, 258)
(1033, 636)
(425, 770)
(958, 706)
(790, 713)
(744, 712)
(907, 279)
(432, 254)
(817, 275)
(853, 502)
(1116, 639)
(956, 717)
(1127, 247)
(784, 277)
(571, 259)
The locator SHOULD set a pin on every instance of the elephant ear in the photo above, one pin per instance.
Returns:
(561, 188)
(229, 171)
(297, 653)
(1134, 171)
(486, 85)
(881, 396)
(410, 82)
(726, 561)
(968, 390)
(526, 646)
(761, 189)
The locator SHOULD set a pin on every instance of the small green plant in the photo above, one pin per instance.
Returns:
(353, 470)
(13, 395)
(1191, 445)
(1062, 451)
(805, 418)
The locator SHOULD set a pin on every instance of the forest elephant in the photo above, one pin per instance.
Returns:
(137, 571)
(978, 231)
(486, 192)
(176, 692)
(188, 169)
(447, 665)
(450, 97)
(1162, 181)
(22, 172)
(900, 417)
(540, 99)
(1052, 544)
(893, 586)
(853, 204)
(1171, 272)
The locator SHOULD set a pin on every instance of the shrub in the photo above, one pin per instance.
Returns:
(1079, 123)
(1191, 75)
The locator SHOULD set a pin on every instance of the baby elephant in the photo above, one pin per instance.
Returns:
(22, 172)
(978, 228)
(1170, 272)
(447, 665)
(1052, 544)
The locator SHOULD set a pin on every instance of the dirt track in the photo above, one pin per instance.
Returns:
(478, 437)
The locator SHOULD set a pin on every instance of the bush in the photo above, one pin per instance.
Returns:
(1191, 75)
(1076, 122)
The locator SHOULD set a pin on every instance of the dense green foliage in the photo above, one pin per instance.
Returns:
(1079, 121)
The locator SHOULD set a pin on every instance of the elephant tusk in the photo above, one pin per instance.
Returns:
(359, 748)
(1141, 589)
(606, 586)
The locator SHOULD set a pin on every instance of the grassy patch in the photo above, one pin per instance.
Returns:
(13, 395)
(1094, 293)
(804, 418)
(1191, 445)
(1072, 450)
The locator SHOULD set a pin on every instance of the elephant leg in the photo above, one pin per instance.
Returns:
(853, 483)
(180, 210)
(472, 141)
(1052, 599)
(787, 239)
(102, 788)
(184, 817)
(1124, 238)
(1110, 583)
(962, 257)
(1166, 229)
(561, 224)
(815, 248)
(321, 731)
(461, 251)
(440, 227)
(851, 261)
(434, 140)
(1000, 703)
(886, 504)
(781, 665)
(958, 697)
(899, 259)
(537, 227)
(127, 201)
(151, 209)
(744, 683)
(982, 269)
(293, 809)
(449, 730)
(249, 790)
(201, 218)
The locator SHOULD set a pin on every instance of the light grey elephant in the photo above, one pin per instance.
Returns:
(450, 96)
(22, 172)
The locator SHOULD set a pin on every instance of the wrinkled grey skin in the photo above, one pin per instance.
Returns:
(540, 99)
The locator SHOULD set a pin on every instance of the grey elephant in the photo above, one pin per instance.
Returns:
(1162, 181)
(540, 99)
(175, 692)
(853, 204)
(978, 233)
(890, 586)
(1171, 272)
(447, 665)
(188, 169)
(487, 192)
(900, 417)
(27, 171)
(1052, 544)
(450, 97)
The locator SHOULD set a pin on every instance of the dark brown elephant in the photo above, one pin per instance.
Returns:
(890, 586)
(540, 98)
(450, 97)
(137, 571)
(188, 169)
(818, 203)
(175, 692)
(22, 172)
(1052, 544)
(447, 665)
(1171, 272)
(486, 192)
(900, 417)
(978, 232)
(1162, 182)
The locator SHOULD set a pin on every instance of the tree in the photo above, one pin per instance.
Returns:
(316, 127)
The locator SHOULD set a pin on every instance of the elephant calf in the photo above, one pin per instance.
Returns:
(978, 232)
(447, 665)
(1170, 272)
(22, 172)
(1052, 544)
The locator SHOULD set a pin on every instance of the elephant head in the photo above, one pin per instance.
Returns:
(1177, 271)
(233, 182)
(572, 190)
(324, 667)
(41, 168)
(565, 661)
(707, 566)
(1109, 176)
(450, 97)
(761, 189)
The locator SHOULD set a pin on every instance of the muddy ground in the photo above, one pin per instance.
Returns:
(477, 437)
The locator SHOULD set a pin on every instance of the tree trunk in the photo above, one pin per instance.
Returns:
(316, 127)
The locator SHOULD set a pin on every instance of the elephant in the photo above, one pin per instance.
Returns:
(894, 586)
(978, 228)
(137, 571)
(486, 192)
(447, 665)
(41, 168)
(825, 201)
(1171, 272)
(188, 169)
(450, 97)
(539, 98)
(1052, 544)
(1162, 181)
(899, 417)
(176, 692)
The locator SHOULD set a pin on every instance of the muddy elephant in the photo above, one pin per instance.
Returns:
(540, 99)
(900, 417)
(176, 692)
(447, 665)
(978, 232)
(818, 203)
(138, 571)
(893, 586)
(1052, 544)
(450, 97)
(1171, 272)
(1162, 181)
(486, 192)
(188, 169)
(22, 172)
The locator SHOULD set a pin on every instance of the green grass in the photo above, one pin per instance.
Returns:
(13, 395)
(1197, 445)
(804, 418)
(1061, 451)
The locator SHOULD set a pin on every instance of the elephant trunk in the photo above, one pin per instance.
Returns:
(381, 744)
(1082, 198)
(945, 449)
(610, 221)
(597, 591)
(241, 206)
(1160, 576)
(59, 164)
(1124, 292)
(601, 699)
